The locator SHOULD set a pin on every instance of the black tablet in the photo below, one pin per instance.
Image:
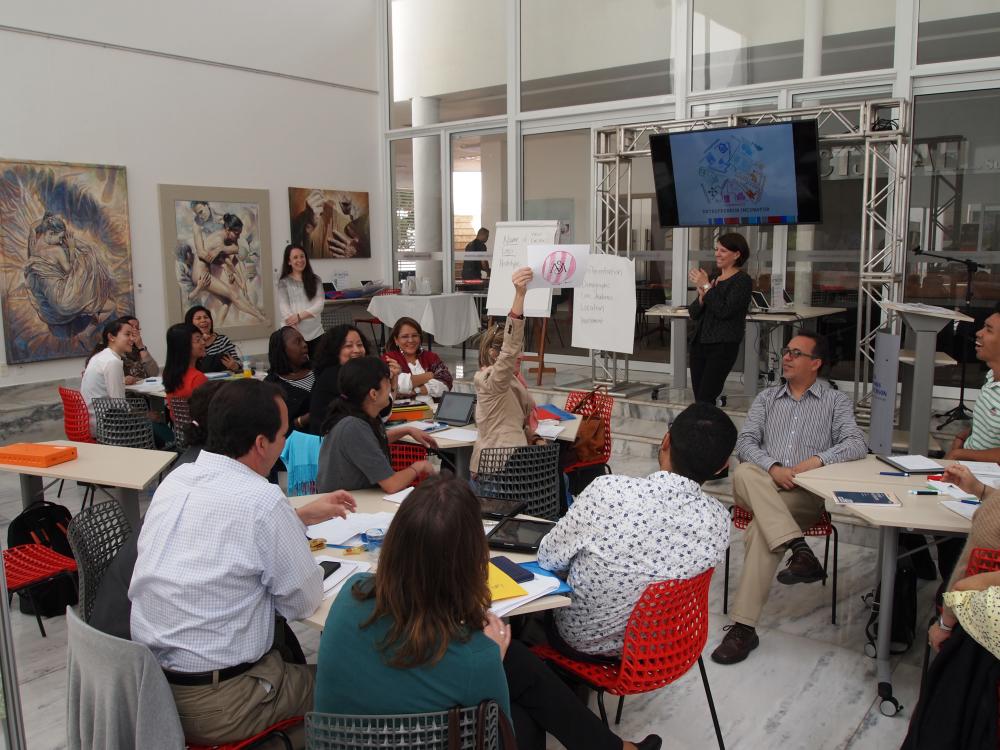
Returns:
(491, 507)
(519, 534)
(456, 409)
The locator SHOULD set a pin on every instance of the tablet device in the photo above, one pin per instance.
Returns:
(511, 568)
(491, 507)
(456, 409)
(519, 534)
(759, 301)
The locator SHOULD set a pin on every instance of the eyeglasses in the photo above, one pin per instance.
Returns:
(796, 353)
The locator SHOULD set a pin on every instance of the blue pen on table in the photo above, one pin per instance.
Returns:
(970, 501)
(924, 492)
(893, 474)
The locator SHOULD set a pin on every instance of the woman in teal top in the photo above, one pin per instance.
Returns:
(418, 636)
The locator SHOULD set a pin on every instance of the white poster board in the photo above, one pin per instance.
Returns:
(510, 252)
(604, 307)
(558, 266)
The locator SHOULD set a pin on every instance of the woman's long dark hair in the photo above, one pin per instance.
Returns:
(198, 407)
(277, 356)
(431, 578)
(328, 350)
(178, 355)
(192, 311)
(357, 378)
(309, 278)
(111, 328)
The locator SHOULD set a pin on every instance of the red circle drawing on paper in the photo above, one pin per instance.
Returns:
(558, 267)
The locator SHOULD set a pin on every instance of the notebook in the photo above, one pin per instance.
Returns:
(843, 497)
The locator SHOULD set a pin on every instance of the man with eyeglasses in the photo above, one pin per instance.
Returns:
(799, 425)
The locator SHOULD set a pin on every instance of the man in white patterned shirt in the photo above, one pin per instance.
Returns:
(623, 533)
(790, 428)
(220, 551)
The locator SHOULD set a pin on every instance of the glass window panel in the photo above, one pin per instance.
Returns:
(448, 61)
(955, 212)
(951, 30)
(478, 200)
(713, 109)
(857, 35)
(556, 174)
(584, 51)
(735, 44)
(415, 164)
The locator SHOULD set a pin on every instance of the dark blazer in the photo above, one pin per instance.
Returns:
(720, 316)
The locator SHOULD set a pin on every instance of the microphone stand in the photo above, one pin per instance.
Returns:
(961, 412)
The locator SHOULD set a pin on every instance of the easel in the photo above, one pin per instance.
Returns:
(540, 357)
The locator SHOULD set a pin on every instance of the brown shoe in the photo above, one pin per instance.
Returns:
(737, 645)
(802, 567)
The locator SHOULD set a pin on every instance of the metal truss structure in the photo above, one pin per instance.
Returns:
(881, 127)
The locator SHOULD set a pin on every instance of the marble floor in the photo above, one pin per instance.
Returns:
(808, 685)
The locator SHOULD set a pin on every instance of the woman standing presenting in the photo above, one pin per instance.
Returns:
(300, 296)
(719, 316)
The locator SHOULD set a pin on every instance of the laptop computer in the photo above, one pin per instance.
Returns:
(456, 409)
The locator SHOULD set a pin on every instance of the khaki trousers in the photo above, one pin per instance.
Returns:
(270, 691)
(778, 517)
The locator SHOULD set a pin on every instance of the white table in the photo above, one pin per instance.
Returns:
(785, 316)
(449, 318)
(370, 501)
(922, 513)
(128, 470)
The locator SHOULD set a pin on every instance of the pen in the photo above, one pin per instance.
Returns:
(893, 474)
(969, 501)
(924, 492)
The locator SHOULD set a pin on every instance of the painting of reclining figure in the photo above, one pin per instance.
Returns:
(65, 258)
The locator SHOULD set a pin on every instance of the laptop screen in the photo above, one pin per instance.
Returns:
(456, 408)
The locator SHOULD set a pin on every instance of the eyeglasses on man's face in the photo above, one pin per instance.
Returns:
(796, 353)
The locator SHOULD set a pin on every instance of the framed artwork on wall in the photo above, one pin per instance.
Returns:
(65, 258)
(217, 253)
(330, 223)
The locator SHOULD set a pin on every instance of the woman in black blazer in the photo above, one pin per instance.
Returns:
(719, 316)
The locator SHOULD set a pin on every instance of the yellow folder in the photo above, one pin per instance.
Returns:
(502, 586)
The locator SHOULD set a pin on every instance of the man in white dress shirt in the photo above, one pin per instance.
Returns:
(220, 551)
(623, 533)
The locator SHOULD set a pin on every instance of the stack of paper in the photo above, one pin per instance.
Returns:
(340, 530)
(536, 588)
(398, 497)
(984, 471)
(502, 586)
(548, 430)
(333, 582)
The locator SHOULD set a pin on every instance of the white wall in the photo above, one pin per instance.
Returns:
(178, 122)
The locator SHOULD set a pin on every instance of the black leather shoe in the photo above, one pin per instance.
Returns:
(652, 742)
(737, 645)
(802, 567)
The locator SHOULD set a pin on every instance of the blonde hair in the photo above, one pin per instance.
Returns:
(490, 338)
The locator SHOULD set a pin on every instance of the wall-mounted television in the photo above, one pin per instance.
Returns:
(758, 174)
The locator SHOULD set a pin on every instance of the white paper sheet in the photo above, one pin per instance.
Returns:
(557, 266)
(982, 469)
(550, 431)
(538, 587)
(952, 490)
(339, 530)
(963, 509)
(510, 250)
(604, 307)
(398, 497)
(335, 581)
(458, 434)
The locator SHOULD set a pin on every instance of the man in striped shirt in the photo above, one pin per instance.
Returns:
(983, 442)
(791, 428)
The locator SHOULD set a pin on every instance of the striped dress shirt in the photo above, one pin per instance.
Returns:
(220, 551)
(780, 430)
(986, 417)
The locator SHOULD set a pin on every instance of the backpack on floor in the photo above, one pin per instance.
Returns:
(45, 523)
(904, 611)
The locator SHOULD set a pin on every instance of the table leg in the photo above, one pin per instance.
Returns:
(888, 548)
(129, 500)
(463, 456)
(751, 359)
(31, 489)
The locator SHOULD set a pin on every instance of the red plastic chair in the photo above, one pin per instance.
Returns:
(275, 730)
(28, 565)
(76, 416)
(600, 404)
(665, 636)
(401, 455)
(373, 321)
(982, 560)
(823, 527)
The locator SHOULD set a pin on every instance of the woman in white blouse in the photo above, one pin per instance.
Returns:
(104, 375)
(300, 296)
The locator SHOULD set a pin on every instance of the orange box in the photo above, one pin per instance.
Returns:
(36, 454)
(410, 414)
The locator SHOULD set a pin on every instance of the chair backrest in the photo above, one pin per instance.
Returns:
(414, 731)
(665, 634)
(95, 535)
(301, 459)
(601, 404)
(335, 315)
(116, 693)
(384, 292)
(76, 416)
(402, 455)
(529, 473)
(123, 422)
(982, 560)
(180, 415)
